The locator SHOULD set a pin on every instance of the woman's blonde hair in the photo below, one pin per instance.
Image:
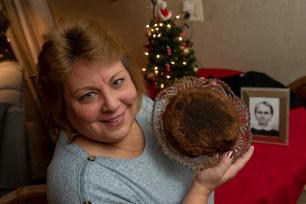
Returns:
(74, 39)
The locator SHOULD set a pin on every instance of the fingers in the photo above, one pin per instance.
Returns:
(239, 163)
(213, 177)
(223, 166)
(225, 162)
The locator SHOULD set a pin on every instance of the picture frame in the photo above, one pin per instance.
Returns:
(269, 114)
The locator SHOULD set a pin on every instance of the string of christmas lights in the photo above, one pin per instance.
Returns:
(169, 53)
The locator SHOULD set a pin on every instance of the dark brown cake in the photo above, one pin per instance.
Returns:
(201, 121)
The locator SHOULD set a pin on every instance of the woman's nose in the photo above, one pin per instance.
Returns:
(110, 103)
(262, 116)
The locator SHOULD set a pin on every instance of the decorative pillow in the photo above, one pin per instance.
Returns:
(11, 74)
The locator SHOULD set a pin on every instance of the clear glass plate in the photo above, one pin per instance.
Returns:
(202, 162)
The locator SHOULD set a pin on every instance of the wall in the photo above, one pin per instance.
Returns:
(260, 35)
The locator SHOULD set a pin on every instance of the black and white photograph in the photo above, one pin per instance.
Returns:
(269, 112)
(264, 116)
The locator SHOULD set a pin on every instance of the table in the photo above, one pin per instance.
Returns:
(276, 174)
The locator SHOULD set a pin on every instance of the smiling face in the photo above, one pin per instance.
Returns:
(101, 100)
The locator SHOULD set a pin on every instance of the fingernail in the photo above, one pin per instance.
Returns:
(229, 154)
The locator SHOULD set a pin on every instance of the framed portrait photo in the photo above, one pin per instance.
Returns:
(269, 111)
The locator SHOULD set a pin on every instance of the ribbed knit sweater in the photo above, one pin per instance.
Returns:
(152, 178)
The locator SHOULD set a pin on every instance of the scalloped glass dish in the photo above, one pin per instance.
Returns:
(202, 162)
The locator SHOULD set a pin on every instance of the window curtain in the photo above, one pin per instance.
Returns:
(30, 19)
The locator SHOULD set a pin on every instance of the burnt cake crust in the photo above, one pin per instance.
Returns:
(201, 121)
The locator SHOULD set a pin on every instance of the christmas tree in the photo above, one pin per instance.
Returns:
(169, 51)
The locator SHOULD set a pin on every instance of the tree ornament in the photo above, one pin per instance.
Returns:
(195, 69)
(150, 76)
(161, 12)
(169, 51)
(149, 34)
(186, 51)
(183, 34)
(168, 68)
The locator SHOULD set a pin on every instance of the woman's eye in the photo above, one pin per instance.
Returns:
(87, 96)
(118, 82)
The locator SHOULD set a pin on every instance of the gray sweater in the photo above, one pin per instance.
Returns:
(150, 178)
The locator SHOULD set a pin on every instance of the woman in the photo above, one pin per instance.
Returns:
(263, 114)
(94, 103)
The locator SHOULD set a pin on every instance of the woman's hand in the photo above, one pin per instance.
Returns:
(208, 180)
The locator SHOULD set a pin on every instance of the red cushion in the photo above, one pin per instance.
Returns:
(203, 72)
(217, 72)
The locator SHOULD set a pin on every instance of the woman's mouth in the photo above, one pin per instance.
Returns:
(114, 121)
